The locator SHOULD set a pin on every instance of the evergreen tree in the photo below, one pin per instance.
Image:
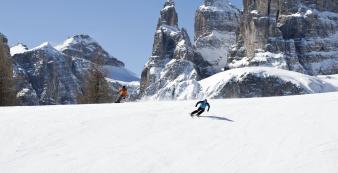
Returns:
(7, 84)
(96, 88)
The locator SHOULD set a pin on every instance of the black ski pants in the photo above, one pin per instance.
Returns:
(120, 99)
(199, 111)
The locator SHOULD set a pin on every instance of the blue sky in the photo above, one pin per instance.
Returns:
(124, 28)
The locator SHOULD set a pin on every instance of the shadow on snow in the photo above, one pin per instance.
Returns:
(217, 118)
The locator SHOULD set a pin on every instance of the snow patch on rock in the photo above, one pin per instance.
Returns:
(18, 49)
(311, 84)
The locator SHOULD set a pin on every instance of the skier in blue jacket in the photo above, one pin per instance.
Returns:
(203, 105)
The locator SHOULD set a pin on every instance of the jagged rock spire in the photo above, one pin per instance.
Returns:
(169, 3)
(168, 14)
(172, 57)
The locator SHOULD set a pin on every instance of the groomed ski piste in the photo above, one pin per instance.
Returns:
(295, 134)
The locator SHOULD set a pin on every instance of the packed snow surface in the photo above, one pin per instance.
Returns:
(295, 134)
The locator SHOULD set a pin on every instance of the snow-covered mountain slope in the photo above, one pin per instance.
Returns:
(265, 81)
(84, 46)
(331, 79)
(18, 49)
(241, 82)
(295, 134)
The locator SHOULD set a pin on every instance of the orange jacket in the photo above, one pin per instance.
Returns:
(123, 92)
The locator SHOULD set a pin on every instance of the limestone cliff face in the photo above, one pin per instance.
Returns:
(45, 77)
(216, 23)
(216, 15)
(172, 50)
(297, 35)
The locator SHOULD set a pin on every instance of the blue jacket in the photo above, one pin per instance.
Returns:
(203, 105)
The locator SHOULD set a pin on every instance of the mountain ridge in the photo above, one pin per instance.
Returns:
(47, 76)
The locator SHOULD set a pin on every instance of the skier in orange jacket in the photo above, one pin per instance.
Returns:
(123, 94)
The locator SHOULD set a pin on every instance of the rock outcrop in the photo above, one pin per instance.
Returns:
(262, 82)
(172, 51)
(177, 81)
(297, 35)
(216, 23)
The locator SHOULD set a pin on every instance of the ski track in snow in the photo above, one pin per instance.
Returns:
(295, 134)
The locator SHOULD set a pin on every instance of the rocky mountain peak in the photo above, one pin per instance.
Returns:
(169, 3)
(46, 47)
(18, 49)
(75, 40)
(168, 14)
(84, 46)
(22, 45)
(82, 37)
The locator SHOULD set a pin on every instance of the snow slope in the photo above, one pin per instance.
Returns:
(186, 88)
(295, 134)
(311, 84)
